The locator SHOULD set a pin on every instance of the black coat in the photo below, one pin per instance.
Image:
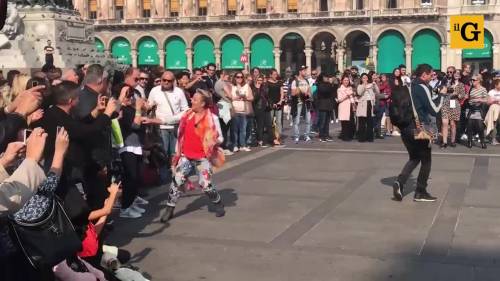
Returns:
(326, 95)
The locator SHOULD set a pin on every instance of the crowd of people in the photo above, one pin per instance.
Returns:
(88, 138)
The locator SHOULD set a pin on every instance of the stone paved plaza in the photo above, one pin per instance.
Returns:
(324, 212)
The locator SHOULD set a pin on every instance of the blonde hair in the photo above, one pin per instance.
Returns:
(19, 84)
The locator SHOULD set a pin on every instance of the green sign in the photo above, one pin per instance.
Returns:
(148, 52)
(483, 53)
(262, 55)
(175, 53)
(120, 50)
(232, 48)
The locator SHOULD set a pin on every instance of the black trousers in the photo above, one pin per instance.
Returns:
(324, 123)
(365, 125)
(95, 186)
(225, 130)
(475, 126)
(263, 119)
(419, 152)
(348, 128)
(131, 177)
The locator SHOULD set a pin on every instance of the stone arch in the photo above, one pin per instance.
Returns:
(172, 36)
(352, 30)
(283, 34)
(221, 38)
(431, 27)
(249, 39)
(392, 28)
(142, 36)
(113, 38)
(323, 30)
(190, 40)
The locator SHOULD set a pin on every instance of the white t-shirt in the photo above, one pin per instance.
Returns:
(178, 104)
(494, 94)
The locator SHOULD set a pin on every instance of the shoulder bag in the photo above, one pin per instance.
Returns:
(420, 132)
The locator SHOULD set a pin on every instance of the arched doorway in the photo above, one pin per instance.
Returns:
(426, 45)
(232, 48)
(120, 50)
(391, 51)
(358, 49)
(292, 52)
(323, 57)
(175, 53)
(480, 58)
(99, 46)
(261, 52)
(203, 48)
(147, 52)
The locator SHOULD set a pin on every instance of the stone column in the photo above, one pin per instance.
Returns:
(277, 54)
(408, 51)
(247, 52)
(217, 54)
(308, 52)
(189, 56)
(107, 53)
(133, 54)
(458, 59)
(496, 57)
(444, 62)
(161, 54)
(340, 59)
(374, 57)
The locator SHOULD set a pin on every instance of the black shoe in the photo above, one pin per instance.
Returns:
(483, 145)
(397, 191)
(169, 214)
(453, 144)
(424, 197)
(469, 144)
(444, 145)
(219, 210)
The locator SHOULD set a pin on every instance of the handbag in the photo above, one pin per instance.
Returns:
(47, 242)
(420, 132)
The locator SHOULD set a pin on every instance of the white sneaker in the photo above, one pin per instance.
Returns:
(308, 139)
(246, 149)
(138, 209)
(129, 213)
(296, 140)
(331, 121)
(228, 152)
(464, 137)
(396, 134)
(336, 120)
(236, 149)
(140, 201)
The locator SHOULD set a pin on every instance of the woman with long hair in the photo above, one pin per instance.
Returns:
(325, 105)
(450, 112)
(347, 108)
(478, 97)
(385, 89)
(262, 110)
(242, 97)
(366, 93)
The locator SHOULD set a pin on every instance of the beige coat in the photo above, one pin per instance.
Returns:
(17, 189)
(366, 94)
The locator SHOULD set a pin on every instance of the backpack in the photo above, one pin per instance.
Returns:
(400, 109)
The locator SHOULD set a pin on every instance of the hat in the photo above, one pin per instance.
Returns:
(302, 67)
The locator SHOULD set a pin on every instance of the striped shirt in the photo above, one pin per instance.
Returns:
(476, 94)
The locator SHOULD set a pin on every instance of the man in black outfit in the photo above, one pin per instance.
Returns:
(97, 150)
(419, 150)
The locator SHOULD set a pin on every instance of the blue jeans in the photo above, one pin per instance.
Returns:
(296, 121)
(379, 112)
(169, 140)
(278, 127)
(239, 125)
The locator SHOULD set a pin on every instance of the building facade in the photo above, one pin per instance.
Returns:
(325, 34)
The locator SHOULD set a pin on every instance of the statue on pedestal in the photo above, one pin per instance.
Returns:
(12, 25)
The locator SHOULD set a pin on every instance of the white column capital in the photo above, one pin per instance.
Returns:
(189, 52)
(308, 52)
(217, 52)
(161, 52)
(277, 51)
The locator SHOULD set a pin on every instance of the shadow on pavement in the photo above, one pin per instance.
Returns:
(409, 188)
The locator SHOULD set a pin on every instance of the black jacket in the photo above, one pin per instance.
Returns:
(10, 125)
(422, 100)
(81, 136)
(326, 95)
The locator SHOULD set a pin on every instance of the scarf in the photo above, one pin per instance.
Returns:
(207, 131)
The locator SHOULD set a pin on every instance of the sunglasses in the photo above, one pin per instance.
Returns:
(239, 77)
(168, 80)
(157, 81)
(143, 78)
(474, 80)
(136, 79)
(314, 74)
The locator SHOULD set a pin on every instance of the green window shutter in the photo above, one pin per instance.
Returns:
(99, 46)
(262, 55)
(426, 49)
(175, 57)
(484, 53)
(148, 52)
(391, 51)
(232, 48)
(120, 50)
(203, 51)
